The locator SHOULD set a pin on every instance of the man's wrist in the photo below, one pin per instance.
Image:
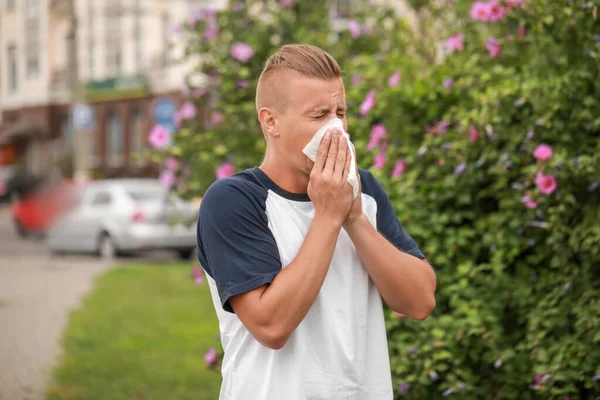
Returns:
(355, 224)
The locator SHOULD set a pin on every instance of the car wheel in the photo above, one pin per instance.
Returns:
(185, 254)
(106, 247)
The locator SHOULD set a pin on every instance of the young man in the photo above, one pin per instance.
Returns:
(297, 268)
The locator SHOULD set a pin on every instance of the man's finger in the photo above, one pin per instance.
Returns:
(342, 156)
(332, 154)
(323, 151)
(347, 165)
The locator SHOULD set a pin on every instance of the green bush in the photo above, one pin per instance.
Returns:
(515, 240)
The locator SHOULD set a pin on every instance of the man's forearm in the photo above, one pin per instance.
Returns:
(406, 283)
(292, 293)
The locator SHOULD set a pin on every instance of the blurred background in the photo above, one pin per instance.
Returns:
(481, 119)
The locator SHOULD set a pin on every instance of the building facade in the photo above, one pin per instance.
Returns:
(124, 66)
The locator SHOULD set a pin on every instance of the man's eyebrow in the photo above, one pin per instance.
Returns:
(317, 109)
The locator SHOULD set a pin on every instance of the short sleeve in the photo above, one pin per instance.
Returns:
(387, 222)
(235, 245)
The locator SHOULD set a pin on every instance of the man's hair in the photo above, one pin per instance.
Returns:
(306, 60)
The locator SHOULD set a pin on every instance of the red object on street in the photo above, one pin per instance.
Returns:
(36, 212)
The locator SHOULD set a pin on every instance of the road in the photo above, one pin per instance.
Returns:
(37, 292)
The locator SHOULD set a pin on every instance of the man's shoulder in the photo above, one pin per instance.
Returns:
(369, 183)
(237, 191)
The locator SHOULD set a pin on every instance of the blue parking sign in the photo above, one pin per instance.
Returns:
(164, 111)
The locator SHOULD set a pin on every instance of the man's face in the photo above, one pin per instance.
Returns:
(311, 103)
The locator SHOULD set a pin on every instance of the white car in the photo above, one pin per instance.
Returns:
(126, 215)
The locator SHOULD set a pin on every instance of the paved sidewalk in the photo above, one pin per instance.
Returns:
(36, 295)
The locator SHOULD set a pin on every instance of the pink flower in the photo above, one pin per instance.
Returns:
(354, 28)
(242, 83)
(224, 170)
(211, 31)
(242, 52)
(237, 6)
(356, 79)
(496, 11)
(199, 92)
(448, 83)
(368, 103)
(172, 164)
(394, 80)
(455, 42)
(399, 168)
(216, 118)
(473, 134)
(187, 111)
(460, 168)
(528, 202)
(522, 31)
(159, 137)
(194, 17)
(286, 3)
(545, 183)
(493, 46)
(197, 276)
(543, 152)
(177, 119)
(211, 357)
(378, 132)
(439, 128)
(167, 178)
(177, 29)
(380, 159)
(514, 3)
(480, 11)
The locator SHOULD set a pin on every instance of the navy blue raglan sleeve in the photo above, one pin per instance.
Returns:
(387, 221)
(235, 245)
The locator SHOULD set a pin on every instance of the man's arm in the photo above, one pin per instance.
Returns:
(272, 312)
(406, 283)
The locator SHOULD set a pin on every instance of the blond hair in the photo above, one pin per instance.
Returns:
(306, 60)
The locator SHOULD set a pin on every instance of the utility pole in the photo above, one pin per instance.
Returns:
(81, 149)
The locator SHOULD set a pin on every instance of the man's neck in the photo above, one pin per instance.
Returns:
(287, 178)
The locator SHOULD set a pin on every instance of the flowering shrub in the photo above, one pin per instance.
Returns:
(490, 157)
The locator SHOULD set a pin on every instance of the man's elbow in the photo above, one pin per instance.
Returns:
(425, 309)
(274, 339)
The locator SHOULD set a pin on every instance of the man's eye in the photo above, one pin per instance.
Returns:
(341, 115)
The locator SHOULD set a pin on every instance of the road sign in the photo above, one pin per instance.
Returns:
(83, 116)
(164, 111)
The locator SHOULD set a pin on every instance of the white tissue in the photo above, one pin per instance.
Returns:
(312, 148)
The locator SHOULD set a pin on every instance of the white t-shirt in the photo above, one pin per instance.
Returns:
(248, 230)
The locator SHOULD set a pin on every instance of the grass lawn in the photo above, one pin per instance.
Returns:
(141, 334)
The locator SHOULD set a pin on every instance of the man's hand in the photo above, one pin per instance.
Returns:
(355, 213)
(328, 187)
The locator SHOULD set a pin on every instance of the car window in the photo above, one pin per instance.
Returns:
(101, 199)
(146, 194)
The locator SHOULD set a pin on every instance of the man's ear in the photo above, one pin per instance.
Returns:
(267, 121)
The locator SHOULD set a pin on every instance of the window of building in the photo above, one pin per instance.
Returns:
(91, 48)
(114, 54)
(115, 138)
(138, 37)
(136, 131)
(33, 8)
(12, 68)
(66, 132)
(32, 39)
(166, 23)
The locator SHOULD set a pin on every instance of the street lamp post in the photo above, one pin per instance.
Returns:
(81, 137)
